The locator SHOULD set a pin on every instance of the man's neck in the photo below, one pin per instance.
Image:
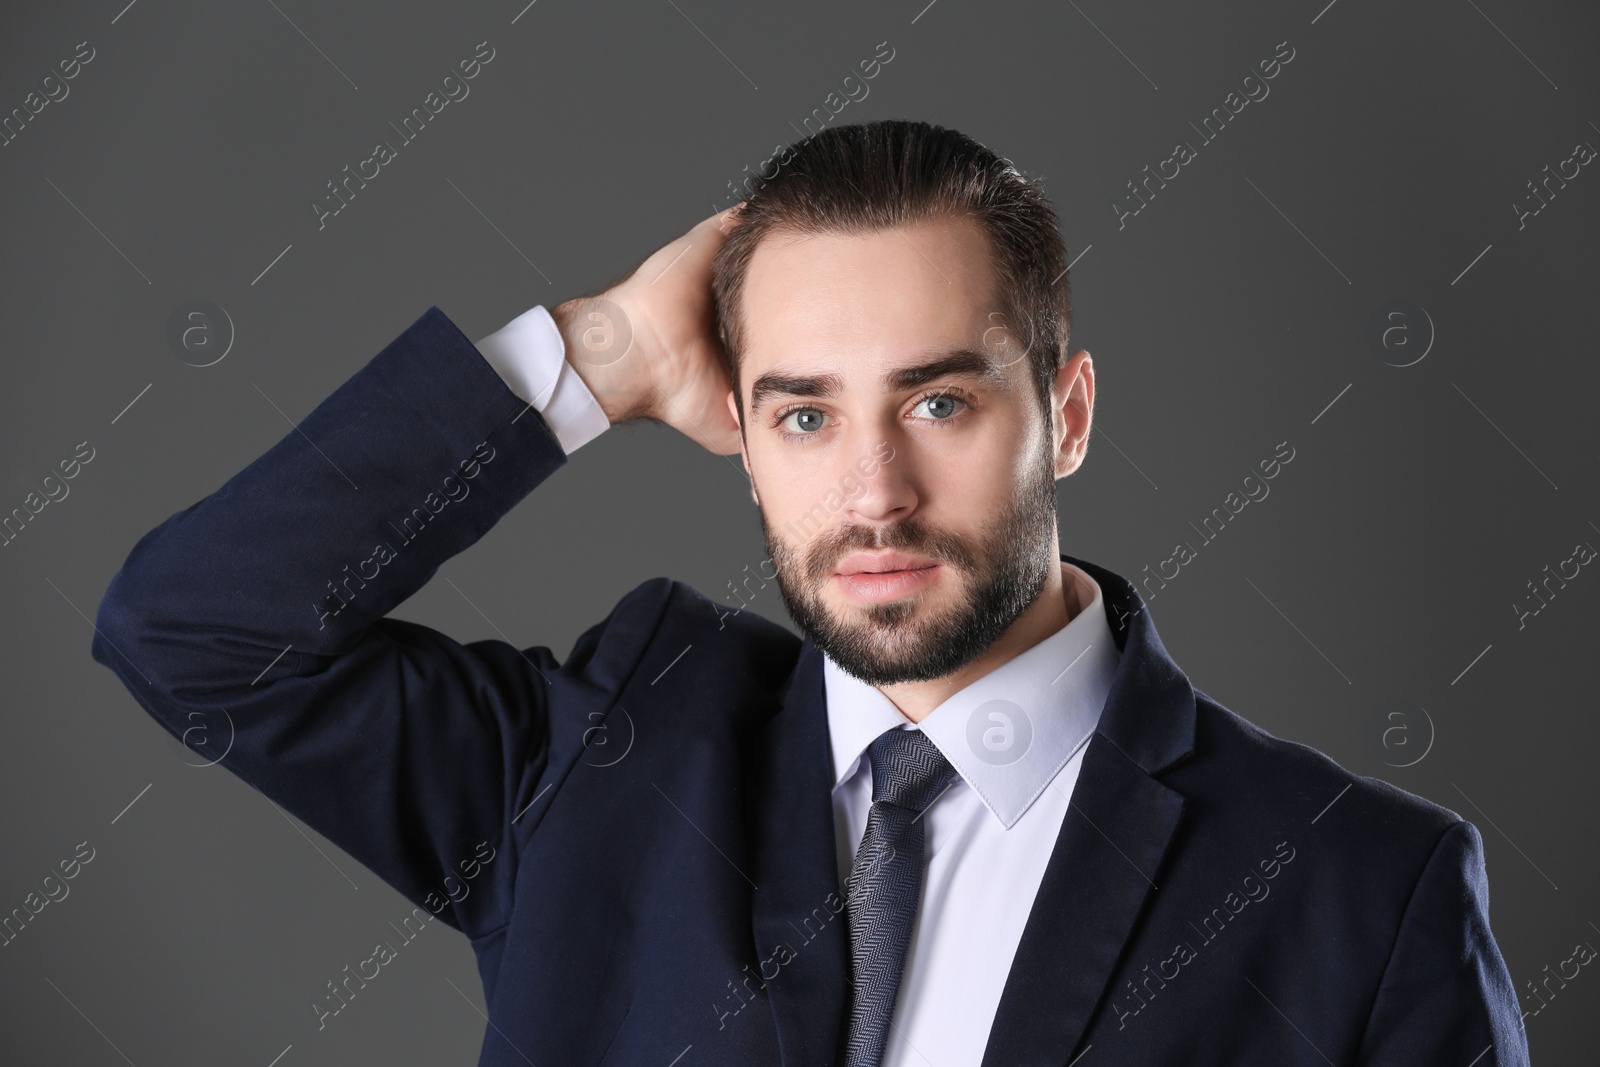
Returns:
(1057, 604)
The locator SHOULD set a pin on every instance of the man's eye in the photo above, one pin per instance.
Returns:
(942, 406)
(941, 409)
(810, 420)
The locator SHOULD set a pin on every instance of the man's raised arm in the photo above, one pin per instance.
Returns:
(251, 624)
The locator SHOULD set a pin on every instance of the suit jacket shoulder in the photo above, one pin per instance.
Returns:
(1275, 772)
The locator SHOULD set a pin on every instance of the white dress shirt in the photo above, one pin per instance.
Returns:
(990, 835)
(531, 358)
(1015, 736)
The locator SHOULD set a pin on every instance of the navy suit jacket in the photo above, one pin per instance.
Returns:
(639, 841)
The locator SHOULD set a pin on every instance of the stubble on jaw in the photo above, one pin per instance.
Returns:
(904, 640)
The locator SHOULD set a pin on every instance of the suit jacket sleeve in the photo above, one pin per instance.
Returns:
(1446, 996)
(251, 625)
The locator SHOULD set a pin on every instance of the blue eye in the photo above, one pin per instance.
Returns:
(945, 400)
(813, 414)
(946, 414)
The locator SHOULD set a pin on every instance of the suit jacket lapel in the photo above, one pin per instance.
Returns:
(795, 870)
(1107, 857)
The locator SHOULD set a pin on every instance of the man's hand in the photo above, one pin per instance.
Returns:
(647, 347)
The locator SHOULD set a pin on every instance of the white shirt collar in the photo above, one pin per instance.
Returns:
(1009, 732)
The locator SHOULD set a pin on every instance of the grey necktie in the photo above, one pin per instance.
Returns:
(885, 883)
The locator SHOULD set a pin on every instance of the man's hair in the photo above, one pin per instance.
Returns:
(857, 179)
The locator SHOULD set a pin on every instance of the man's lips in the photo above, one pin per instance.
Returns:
(907, 575)
(882, 563)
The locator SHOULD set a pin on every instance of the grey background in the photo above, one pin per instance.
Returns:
(1231, 314)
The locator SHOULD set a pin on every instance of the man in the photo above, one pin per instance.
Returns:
(978, 815)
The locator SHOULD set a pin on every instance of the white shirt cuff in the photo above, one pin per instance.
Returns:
(531, 358)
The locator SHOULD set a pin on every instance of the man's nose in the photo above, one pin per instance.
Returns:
(888, 487)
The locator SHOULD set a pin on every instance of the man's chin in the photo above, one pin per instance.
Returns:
(882, 663)
(881, 642)
(890, 634)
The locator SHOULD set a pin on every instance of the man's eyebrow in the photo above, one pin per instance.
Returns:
(960, 362)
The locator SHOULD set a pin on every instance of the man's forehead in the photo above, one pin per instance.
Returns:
(919, 288)
(889, 309)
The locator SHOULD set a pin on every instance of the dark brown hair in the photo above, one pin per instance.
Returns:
(866, 177)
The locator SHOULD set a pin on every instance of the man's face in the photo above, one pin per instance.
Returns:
(953, 471)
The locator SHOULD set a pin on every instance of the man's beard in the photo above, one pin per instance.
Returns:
(906, 641)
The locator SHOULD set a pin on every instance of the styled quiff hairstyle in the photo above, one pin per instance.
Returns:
(858, 179)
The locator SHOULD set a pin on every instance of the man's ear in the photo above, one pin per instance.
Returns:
(1071, 411)
(744, 453)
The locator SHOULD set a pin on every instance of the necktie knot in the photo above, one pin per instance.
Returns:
(908, 770)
